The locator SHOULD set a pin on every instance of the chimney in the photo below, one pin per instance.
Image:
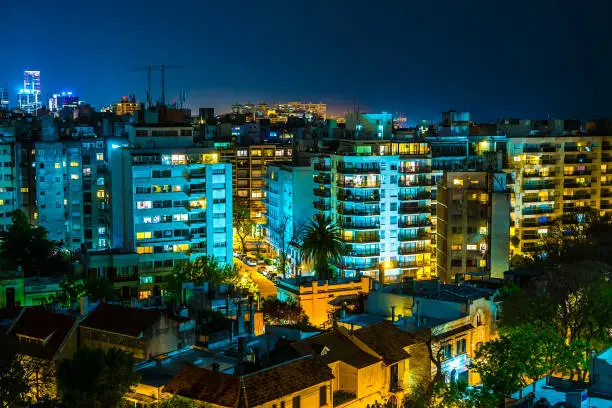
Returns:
(83, 305)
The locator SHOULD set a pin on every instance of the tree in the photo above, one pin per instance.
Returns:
(280, 242)
(13, 381)
(243, 223)
(322, 244)
(27, 247)
(177, 402)
(283, 313)
(96, 378)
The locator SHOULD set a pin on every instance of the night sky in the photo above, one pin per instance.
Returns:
(529, 59)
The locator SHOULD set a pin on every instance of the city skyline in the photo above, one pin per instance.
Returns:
(413, 59)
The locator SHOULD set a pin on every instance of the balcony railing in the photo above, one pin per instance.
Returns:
(576, 160)
(357, 225)
(414, 209)
(414, 224)
(363, 184)
(358, 169)
(363, 254)
(415, 169)
(358, 198)
(321, 206)
(538, 210)
(575, 184)
(578, 173)
(577, 197)
(363, 239)
(421, 195)
(322, 167)
(419, 236)
(415, 182)
(322, 193)
(322, 179)
(412, 250)
(539, 186)
(538, 199)
(539, 174)
(358, 212)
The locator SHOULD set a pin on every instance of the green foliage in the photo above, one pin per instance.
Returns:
(96, 378)
(460, 395)
(283, 313)
(27, 247)
(13, 381)
(177, 402)
(322, 244)
(243, 223)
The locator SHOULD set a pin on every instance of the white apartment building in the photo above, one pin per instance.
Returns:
(9, 185)
(171, 202)
(289, 206)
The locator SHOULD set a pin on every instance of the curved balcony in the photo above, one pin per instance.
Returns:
(421, 182)
(414, 170)
(358, 198)
(322, 167)
(362, 184)
(358, 212)
(414, 224)
(421, 195)
(321, 205)
(322, 179)
(414, 209)
(359, 226)
(371, 169)
(363, 254)
(322, 193)
(411, 250)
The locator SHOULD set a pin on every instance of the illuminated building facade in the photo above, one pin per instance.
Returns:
(380, 195)
(29, 98)
(173, 201)
(4, 99)
(63, 100)
(249, 172)
(9, 185)
(553, 176)
(289, 206)
(126, 107)
(473, 213)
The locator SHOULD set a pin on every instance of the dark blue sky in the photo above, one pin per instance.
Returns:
(494, 58)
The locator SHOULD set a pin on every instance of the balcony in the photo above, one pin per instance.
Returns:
(538, 210)
(548, 160)
(606, 146)
(415, 169)
(322, 167)
(606, 193)
(359, 225)
(364, 238)
(605, 206)
(363, 254)
(403, 182)
(607, 170)
(362, 184)
(372, 169)
(322, 193)
(412, 250)
(577, 197)
(578, 173)
(414, 224)
(577, 160)
(539, 174)
(421, 195)
(537, 224)
(358, 212)
(414, 209)
(321, 205)
(539, 186)
(404, 264)
(575, 184)
(322, 179)
(419, 236)
(538, 199)
(348, 196)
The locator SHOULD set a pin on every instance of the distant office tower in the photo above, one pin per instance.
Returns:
(126, 106)
(9, 185)
(63, 100)
(29, 99)
(31, 80)
(4, 99)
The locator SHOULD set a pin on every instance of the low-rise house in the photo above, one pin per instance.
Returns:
(321, 298)
(43, 339)
(301, 383)
(143, 332)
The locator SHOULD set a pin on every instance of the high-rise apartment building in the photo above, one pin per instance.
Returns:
(380, 196)
(473, 224)
(126, 106)
(63, 100)
(289, 206)
(31, 80)
(553, 176)
(9, 186)
(248, 163)
(171, 201)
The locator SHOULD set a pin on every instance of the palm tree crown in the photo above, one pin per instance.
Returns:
(322, 244)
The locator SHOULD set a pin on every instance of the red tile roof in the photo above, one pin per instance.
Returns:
(41, 333)
(128, 321)
(249, 390)
(387, 340)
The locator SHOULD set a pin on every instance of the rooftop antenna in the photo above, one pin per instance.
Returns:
(150, 68)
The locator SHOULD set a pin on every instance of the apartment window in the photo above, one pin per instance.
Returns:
(57, 165)
(24, 189)
(282, 404)
(472, 247)
(74, 164)
(144, 294)
(143, 235)
(456, 262)
(87, 171)
(296, 402)
(144, 250)
(143, 205)
(457, 182)
(244, 153)
(74, 176)
(100, 194)
(456, 247)
(99, 156)
(322, 396)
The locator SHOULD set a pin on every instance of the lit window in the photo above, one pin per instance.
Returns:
(483, 230)
(87, 171)
(99, 156)
(456, 247)
(24, 189)
(65, 202)
(180, 217)
(143, 235)
(57, 165)
(180, 247)
(102, 242)
(472, 247)
(517, 158)
(146, 279)
(1, 202)
(144, 250)
(543, 231)
(143, 205)
(101, 230)
(178, 159)
(483, 263)
(74, 164)
(458, 182)
(100, 194)
(74, 176)
(144, 294)
(146, 220)
(176, 189)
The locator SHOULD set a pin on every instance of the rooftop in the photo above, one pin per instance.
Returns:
(41, 333)
(129, 321)
(252, 389)
(433, 289)
(336, 345)
(387, 340)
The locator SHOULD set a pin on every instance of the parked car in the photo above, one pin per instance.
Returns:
(250, 261)
(273, 276)
(262, 269)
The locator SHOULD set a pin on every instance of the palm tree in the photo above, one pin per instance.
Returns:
(322, 244)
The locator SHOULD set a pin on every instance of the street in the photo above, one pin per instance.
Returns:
(265, 285)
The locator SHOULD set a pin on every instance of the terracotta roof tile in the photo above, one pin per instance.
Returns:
(129, 321)
(387, 340)
(338, 346)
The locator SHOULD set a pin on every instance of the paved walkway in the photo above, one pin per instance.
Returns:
(265, 285)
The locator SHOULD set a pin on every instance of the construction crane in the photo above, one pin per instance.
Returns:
(161, 68)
